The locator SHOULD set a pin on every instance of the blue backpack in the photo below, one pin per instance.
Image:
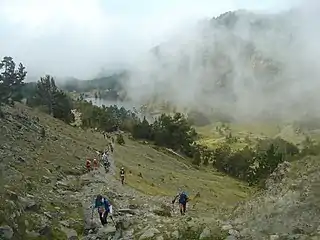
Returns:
(102, 205)
(183, 197)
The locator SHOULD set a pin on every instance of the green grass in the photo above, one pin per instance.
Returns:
(249, 133)
(64, 151)
(163, 174)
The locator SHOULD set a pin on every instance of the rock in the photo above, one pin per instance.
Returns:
(277, 175)
(48, 215)
(226, 227)
(6, 232)
(21, 160)
(29, 204)
(71, 233)
(90, 226)
(150, 233)
(175, 234)
(106, 231)
(133, 206)
(163, 212)
(231, 238)
(128, 235)
(159, 238)
(193, 225)
(32, 234)
(65, 223)
(45, 179)
(233, 232)
(205, 233)
(117, 235)
(274, 237)
(127, 210)
(62, 184)
(123, 224)
(46, 231)
(12, 195)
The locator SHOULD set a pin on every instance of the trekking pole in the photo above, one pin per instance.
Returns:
(92, 213)
(112, 220)
(172, 207)
(92, 207)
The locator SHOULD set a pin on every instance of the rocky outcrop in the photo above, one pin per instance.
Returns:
(288, 209)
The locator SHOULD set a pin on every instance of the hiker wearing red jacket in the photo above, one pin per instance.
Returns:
(95, 164)
(88, 165)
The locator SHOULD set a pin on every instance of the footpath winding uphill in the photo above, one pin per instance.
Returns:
(136, 216)
(44, 183)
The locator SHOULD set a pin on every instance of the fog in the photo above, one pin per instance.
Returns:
(268, 64)
(265, 66)
(78, 38)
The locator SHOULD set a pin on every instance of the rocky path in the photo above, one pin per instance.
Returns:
(135, 214)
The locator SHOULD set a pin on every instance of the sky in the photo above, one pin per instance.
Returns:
(77, 38)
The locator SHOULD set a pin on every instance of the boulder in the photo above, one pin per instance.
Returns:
(6, 232)
(205, 233)
(149, 233)
(71, 233)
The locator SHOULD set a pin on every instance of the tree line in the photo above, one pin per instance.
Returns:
(44, 94)
(251, 164)
(11, 81)
(47, 96)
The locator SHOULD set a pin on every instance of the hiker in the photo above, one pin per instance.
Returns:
(111, 147)
(105, 156)
(122, 173)
(88, 165)
(95, 164)
(106, 162)
(106, 165)
(104, 208)
(183, 199)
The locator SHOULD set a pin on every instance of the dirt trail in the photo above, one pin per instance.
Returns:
(131, 208)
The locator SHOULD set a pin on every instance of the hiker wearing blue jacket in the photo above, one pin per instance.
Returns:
(104, 208)
(183, 199)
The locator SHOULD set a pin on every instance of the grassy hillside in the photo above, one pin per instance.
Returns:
(163, 174)
(249, 133)
(42, 159)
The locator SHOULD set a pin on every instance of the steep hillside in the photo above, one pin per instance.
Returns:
(37, 154)
(42, 163)
(288, 209)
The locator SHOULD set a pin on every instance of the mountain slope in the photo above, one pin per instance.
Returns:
(289, 209)
(42, 161)
(243, 65)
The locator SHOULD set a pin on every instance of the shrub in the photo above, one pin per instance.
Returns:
(120, 139)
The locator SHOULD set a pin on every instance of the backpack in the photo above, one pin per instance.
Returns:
(183, 197)
(103, 205)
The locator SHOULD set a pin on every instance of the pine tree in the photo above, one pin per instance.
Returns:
(11, 81)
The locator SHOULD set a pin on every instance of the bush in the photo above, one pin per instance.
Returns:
(254, 165)
(198, 118)
(1, 113)
(42, 132)
(120, 139)
(173, 132)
